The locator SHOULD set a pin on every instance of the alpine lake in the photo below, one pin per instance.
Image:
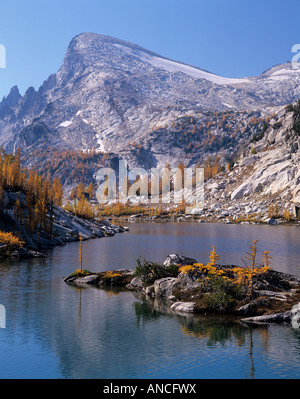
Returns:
(54, 330)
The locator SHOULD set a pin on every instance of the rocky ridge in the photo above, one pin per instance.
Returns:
(120, 99)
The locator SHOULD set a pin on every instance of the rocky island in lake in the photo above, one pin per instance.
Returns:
(257, 294)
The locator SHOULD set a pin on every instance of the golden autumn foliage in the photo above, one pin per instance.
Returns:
(211, 167)
(236, 275)
(266, 259)
(287, 215)
(120, 209)
(81, 208)
(252, 255)
(214, 257)
(273, 211)
(10, 239)
(18, 178)
(81, 273)
(187, 269)
(110, 274)
(244, 275)
(41, 194)
(199, 268)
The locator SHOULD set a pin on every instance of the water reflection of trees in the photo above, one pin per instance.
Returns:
(215, 329)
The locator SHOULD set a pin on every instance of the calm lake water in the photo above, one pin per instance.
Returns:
(57, 331)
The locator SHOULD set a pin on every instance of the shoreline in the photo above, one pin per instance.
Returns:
(182, 218)
(66, 228)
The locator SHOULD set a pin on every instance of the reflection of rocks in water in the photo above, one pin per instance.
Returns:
(109, 290)
(215, 329)
(150, 308)
(145, 312)
(160, 305)
(222, 329)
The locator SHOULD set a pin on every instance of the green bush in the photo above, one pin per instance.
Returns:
(224, 295)
(151, 271)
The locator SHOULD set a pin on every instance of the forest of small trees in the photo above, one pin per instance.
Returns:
(41, 193)
(80, 204)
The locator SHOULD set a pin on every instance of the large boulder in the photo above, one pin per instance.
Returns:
(251, 307)
(295, 316)
(164, 287)
(292, 317)
(23, 253)
(178, 260)
(212, 186)
(270, 318)
(150, 290)
(135, 284)
(183, 307)
(188, 281)
(91, 279)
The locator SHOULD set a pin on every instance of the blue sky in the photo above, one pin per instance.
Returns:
(232, 38)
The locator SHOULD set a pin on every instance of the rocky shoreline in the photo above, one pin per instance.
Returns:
(66, 228)
(223, 213)
(207, 217)
(275, 296)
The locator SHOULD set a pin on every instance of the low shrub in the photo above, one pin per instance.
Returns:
(223, 294)
(81, 273)
(151, 271)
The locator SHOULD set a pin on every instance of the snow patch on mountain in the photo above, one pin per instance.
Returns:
(174, 67)
(65, 124)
